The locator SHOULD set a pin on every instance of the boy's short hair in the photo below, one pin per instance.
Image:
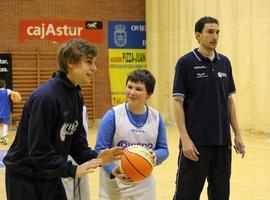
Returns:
(2, 83)
(204, 20)
(143, 76)
(72, 52)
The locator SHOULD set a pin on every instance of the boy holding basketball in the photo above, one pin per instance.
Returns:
(5, 108)
(132, 123)
(51, 128)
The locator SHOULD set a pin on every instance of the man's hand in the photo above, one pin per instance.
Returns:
(189, 149)
(110, 155)
(239, 145)
(88, 167)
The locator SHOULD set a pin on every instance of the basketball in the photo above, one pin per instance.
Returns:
(136, 163)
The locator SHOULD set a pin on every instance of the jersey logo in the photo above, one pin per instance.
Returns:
(221, 74)
(68, 129)
(200, 67)
(124, 144)
(138, 131)
(201, 75)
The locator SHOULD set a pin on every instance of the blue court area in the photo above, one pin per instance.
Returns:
(2, 154)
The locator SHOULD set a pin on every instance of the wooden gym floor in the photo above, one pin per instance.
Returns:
(250, 176)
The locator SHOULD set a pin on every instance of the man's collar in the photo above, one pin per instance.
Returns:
(200, 57)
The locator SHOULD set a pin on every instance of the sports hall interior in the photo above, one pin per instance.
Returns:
(244, 39)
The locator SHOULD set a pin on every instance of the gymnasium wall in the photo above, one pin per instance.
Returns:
(244, 38)
(11, 12)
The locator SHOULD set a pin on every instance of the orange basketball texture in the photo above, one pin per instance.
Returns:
(137, 163)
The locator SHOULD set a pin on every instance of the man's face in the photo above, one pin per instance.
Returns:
(208, 38)
(83, 71)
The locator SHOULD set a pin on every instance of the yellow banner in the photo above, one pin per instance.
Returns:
(121, 63)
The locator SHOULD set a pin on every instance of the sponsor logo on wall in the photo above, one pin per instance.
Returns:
(61, 30)
(128, 35)
(6, 68)
(127, 52)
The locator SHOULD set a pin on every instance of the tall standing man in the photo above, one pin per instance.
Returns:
(204, 110)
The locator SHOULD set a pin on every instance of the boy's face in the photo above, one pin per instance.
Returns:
(82, 72)
(136, 93)
(208, 38)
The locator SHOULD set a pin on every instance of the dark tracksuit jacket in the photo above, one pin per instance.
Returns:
(50, 128)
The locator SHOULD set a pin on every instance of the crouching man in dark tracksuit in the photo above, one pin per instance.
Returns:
(51, 128)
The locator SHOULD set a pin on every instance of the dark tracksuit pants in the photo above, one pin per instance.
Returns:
(20, 187)
(214, 164)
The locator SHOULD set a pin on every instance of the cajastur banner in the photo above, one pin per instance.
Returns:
(61, 30)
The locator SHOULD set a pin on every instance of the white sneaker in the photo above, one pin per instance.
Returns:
(3, 140)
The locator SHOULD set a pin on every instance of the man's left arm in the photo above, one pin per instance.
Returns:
(238, 141)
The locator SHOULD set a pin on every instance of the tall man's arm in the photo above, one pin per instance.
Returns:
(238, 141)
(188, 148)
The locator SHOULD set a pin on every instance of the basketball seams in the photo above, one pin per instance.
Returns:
(144, 153)
(141, 156)
(133, 165)
(136, 163)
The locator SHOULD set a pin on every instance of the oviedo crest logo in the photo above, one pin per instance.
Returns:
(120, 35)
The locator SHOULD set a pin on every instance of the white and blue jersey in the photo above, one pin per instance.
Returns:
(128, 132)
(119, 127)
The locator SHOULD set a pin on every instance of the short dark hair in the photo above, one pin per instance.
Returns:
(144, 76)
(72, 52)
(204, 20)
(2, 83)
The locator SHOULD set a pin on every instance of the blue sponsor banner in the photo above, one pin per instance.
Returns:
(127, 35)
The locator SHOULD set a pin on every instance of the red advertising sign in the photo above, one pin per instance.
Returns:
(61, 30)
